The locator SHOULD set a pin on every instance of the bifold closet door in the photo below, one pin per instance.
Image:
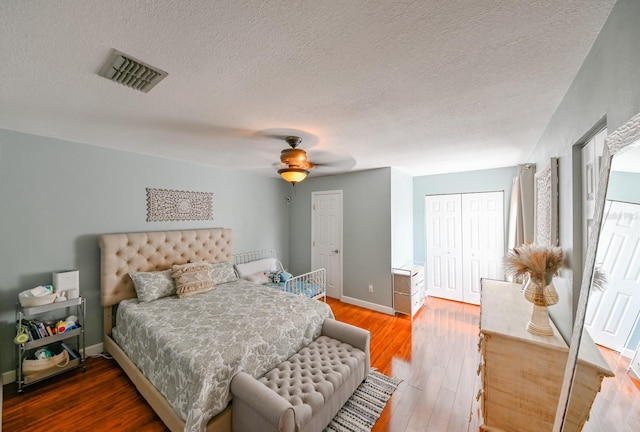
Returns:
(465, 242)
(482, 241)
(444, 246)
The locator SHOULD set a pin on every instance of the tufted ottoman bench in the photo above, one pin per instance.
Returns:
(306, 391)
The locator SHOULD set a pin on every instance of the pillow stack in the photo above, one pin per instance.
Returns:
(184, 280)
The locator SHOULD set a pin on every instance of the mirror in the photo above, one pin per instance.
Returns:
(621, 152)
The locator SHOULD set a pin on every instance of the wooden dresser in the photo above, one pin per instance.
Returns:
(521, 373)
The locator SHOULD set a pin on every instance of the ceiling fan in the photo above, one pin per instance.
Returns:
(295, 159)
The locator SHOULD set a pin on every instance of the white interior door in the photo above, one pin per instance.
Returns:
(443, 233)
(326, 238)
(482, 241)
(612, 313)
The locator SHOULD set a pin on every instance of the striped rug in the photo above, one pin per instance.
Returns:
(364, 407)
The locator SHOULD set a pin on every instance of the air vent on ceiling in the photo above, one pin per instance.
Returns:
(126, 70)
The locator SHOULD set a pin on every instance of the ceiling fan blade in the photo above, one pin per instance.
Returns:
(331, 162)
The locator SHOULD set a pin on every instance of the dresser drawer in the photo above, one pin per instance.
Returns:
(417, 283)
(407, 304)
(402, 284)
(408, 280)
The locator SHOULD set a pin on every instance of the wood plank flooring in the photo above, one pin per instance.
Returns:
(617, 406)
(435, 355)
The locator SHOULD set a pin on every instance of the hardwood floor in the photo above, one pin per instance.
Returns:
(100, 399)
(617, 406)
(437, 357)
(435, 354)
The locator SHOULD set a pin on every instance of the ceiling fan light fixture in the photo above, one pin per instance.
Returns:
(293, 175)
(293, 156)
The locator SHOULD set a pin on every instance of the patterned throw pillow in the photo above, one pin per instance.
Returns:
(150, 286)
(192, 278)
(222, 272)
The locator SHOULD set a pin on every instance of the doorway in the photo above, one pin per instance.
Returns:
(612, 313)
(465, 242)
(591, 155)
(326, 238)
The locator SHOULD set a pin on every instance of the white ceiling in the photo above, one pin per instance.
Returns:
(426, 86)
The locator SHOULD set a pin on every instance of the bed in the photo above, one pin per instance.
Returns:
(181, 353)
(263, 267)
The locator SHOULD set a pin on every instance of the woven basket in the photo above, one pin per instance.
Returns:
(26, 301)
(30, 367)
(541, 292)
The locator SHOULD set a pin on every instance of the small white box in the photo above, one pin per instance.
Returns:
(67, 282)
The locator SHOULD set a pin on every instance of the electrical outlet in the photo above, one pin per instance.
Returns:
(370, 288)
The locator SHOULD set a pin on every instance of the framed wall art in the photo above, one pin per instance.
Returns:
(546, 205)
(175, 205)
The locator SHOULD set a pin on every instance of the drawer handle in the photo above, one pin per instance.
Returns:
(479, 395)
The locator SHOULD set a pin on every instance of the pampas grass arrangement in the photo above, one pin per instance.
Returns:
(534, 260)
(540, 263)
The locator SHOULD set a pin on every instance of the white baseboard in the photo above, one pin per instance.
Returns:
(626, 352)
(10, 376)
(93, 350)
(368, 305)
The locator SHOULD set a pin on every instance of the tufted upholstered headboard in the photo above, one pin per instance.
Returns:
(155, 250)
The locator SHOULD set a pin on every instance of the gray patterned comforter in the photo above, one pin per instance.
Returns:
(190, 348)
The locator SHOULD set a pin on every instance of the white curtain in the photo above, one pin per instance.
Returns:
(521, 210)
(516, 230)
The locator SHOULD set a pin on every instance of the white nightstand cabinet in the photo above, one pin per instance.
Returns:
(408, 289)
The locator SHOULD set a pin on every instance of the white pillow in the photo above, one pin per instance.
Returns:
(268, 265)
(259, 278)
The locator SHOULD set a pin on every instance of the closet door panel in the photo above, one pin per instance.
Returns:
(482, 241)
(444, 246)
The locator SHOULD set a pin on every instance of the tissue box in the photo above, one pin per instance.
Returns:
(67, 283)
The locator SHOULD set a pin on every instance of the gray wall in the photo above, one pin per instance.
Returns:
(401, 218)
(366, 231)
(58, 196)
(607, 85)
(493, 180)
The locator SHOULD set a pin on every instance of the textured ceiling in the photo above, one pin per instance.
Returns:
(426, 86)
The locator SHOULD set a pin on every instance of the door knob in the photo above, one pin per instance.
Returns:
(335, 251)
